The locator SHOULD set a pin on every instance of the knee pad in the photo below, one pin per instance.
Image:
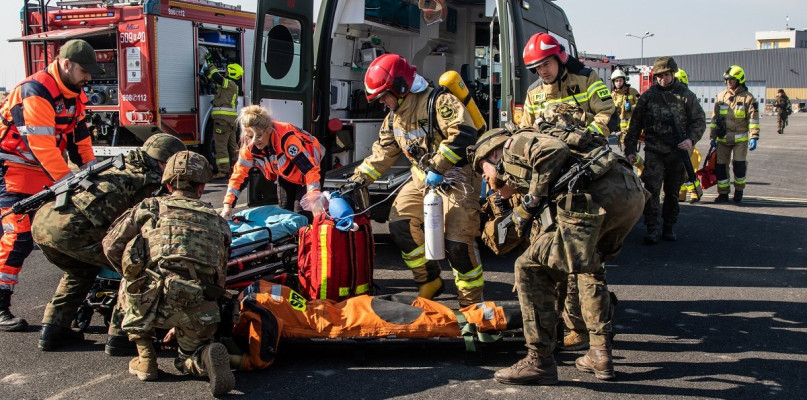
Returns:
(739, 168)
(721, 172)
(402, 235)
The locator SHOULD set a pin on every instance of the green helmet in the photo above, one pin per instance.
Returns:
(735, 72)
(487, 143)
(664, 64)
(161, 146)
(186, 167)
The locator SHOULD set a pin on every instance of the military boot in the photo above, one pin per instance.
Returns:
(8, 322)
(144, 366)
(216, 362)
(52, 337)
(738, 196)
(722, 198)
(119, 346)
(652, 236)
(668, 234)
(431, 289)
(467, 297)
(575, 341)
(598, 360)
(532, 370)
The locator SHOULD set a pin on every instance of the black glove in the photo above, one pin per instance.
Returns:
(522, 219)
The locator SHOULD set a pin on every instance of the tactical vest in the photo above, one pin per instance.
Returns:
(183, 237)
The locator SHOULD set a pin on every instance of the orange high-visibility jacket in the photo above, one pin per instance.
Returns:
(292, 153)
(42, 119)
(270, 311)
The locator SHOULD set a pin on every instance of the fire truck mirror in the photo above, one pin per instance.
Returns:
(280, 52)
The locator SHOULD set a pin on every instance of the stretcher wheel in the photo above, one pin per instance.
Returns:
(83, 318)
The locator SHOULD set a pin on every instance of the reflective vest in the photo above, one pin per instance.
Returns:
(42, 119)
(292, 154)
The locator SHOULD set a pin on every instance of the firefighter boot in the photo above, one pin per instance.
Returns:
(598, 360)
(532, 370)
(668, 234)
(738, 196)
(144, 366)
(722, 198)
(652, 236)
(575, 341)
(431, 289)
(52, 337)
(8, 322)
(467, 297)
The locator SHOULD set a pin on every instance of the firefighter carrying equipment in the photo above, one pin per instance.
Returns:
(735, 72)
(292, 154)
(270, 311)
(389, 73)
(540, 47)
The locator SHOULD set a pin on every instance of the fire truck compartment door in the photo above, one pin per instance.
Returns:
(64, 34)
(176, 69)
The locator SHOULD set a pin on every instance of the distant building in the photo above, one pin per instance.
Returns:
(789, 38)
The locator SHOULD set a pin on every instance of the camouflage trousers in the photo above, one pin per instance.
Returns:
(147, 305)
(781, 121)
(662, 171)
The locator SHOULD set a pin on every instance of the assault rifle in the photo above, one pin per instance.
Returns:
(565, 184)
(60, 190)
(692, 178)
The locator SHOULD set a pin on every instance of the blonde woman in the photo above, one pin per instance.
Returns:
(283, 152)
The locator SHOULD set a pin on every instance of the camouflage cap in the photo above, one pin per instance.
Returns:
(664, 64)
(161, 146)
(487, 143)
(186, 167)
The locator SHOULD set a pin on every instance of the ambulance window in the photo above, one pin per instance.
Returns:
(280, 53)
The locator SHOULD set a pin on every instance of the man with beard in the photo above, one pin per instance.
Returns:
(43, 117)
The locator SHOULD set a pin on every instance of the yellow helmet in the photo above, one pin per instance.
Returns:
(234, 71)
(681, 75)
(735, 72)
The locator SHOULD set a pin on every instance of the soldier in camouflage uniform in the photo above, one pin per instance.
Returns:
(589, 230)
(667, 102)
(71, 238)
(172, 252)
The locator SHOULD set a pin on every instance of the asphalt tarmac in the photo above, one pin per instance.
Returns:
(717, 314)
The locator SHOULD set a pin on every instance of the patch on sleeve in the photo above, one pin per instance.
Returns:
(293, 150)
(447, 111)
(604, 93)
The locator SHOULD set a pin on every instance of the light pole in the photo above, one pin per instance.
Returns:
(642, 38)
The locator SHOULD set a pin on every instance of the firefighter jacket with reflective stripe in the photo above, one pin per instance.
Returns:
(586, 91)
(42, 120)
(739, 111)
(225, 101)
(406, 131)
(655, 113)
(625, 100)
(292, 153)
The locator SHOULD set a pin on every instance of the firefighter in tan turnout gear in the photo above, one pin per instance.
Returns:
(735, 131)
(436, 152)
(625, 98)
(224, 112)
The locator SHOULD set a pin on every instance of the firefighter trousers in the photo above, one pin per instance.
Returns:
(737, 153)
(226, 147)
(461, 212)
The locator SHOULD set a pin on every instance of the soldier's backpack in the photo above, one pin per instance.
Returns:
(333, 264)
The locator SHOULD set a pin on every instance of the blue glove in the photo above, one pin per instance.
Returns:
(752, 144)
(713, 143)
(434, 179)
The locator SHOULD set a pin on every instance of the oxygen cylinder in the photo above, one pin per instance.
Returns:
(433, 226)
(453, 82)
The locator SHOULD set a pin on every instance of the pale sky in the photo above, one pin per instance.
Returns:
(679, 27)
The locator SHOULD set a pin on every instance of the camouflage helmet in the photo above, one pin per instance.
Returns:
(186, 167)
(487, 143)
(161, 146)
(664, 64)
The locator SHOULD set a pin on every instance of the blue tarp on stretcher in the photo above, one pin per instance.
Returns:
(259, 222)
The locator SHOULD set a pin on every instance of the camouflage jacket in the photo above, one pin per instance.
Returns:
(739, 110)
(404, 132)
(533, 161)
(781, 104)
(173, 233)
(77, 230)
(585, 90)
(654, 113)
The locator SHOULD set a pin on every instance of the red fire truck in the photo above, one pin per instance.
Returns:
(149, 52)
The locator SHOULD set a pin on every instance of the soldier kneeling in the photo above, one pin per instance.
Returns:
(172, 253)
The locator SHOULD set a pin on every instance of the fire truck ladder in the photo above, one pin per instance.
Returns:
(41, 7)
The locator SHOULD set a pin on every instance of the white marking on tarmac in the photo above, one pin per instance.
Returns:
(66, 393)
(15, 379)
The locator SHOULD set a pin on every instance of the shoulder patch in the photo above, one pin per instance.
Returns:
(447, 111)
(293, 150)
(538, 97)
(603, 93)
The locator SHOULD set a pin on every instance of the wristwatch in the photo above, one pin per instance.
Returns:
(531, 201)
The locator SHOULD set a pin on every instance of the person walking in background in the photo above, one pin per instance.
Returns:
(783, 109)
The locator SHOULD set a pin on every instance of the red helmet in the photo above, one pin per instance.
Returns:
(539, 47)
(388, 73)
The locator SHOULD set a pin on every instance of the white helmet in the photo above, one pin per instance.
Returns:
(618, 73)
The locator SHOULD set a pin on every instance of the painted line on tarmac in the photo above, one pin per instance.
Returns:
(760, 268)
(67, 392)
